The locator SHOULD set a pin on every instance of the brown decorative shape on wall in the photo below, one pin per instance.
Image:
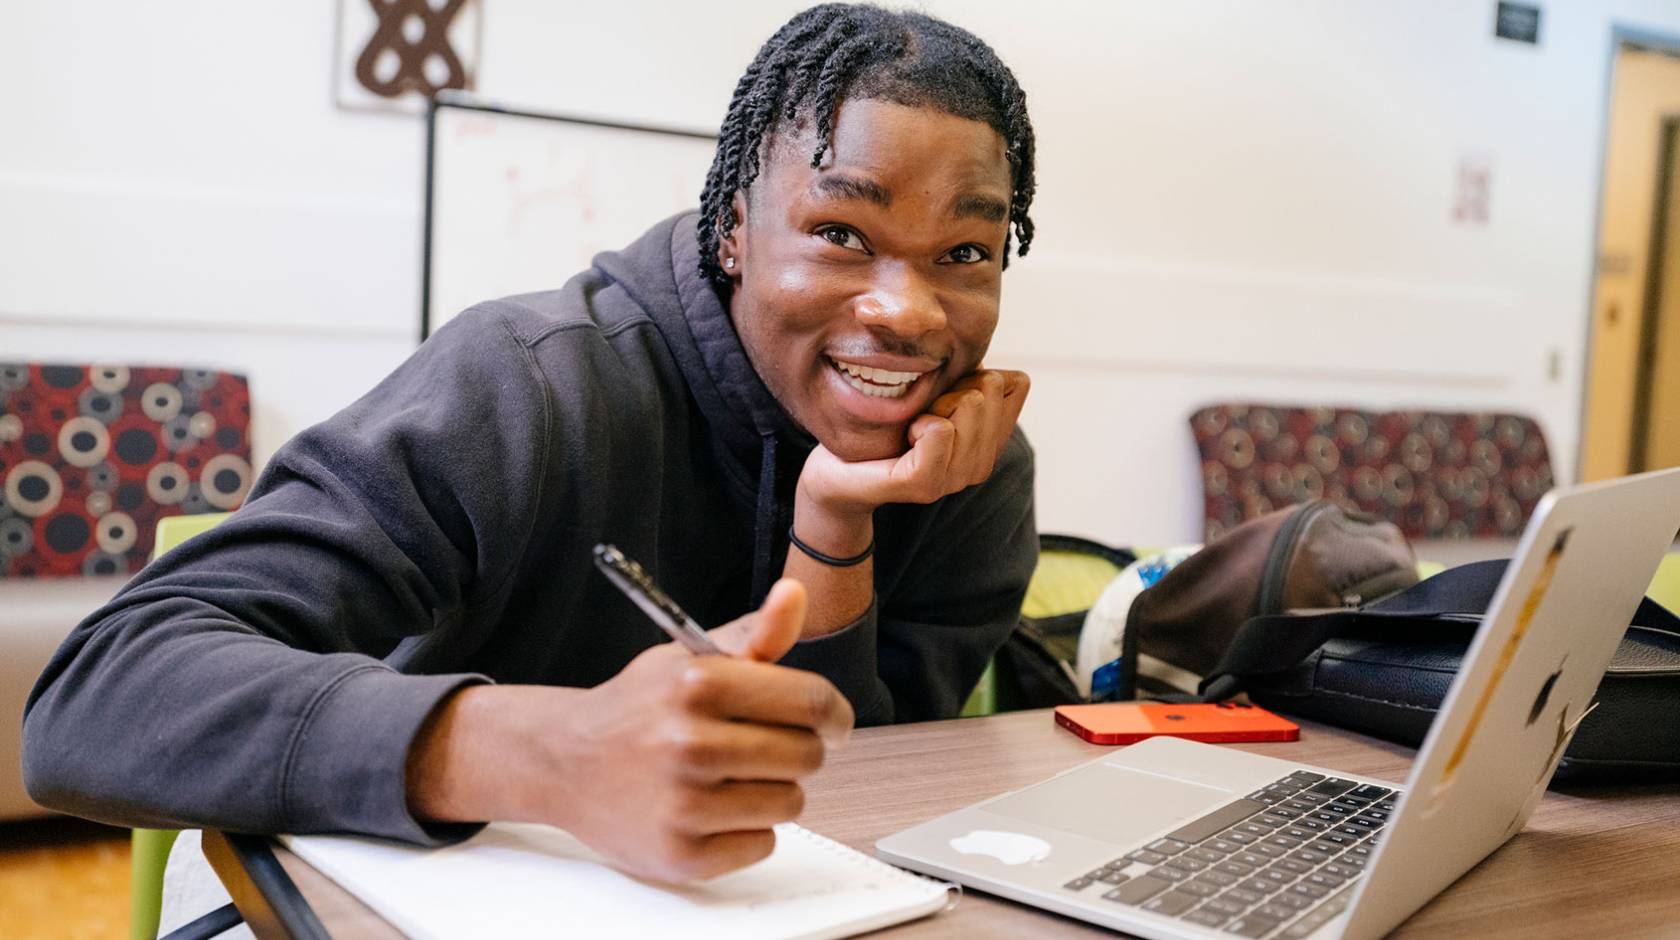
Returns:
(413, 52)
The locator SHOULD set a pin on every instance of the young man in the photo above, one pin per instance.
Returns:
(799, 363)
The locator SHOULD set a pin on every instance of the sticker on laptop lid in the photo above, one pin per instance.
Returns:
(1507, 655)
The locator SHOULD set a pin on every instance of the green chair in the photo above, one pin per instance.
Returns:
(1665, 587)
(1070, 576)
(149, 848)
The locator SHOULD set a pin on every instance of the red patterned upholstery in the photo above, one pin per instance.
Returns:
(93, 456)
(1435, 475)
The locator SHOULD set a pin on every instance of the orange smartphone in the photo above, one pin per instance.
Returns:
(1218, 723)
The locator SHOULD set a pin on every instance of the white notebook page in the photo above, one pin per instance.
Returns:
(527, 880)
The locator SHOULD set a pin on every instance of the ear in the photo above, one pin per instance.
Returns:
(732, 246)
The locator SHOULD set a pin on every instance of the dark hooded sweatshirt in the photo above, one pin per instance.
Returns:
(271, 675)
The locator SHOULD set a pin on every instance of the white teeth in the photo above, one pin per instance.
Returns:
(879, 391)
(879, 383)
(877, 376)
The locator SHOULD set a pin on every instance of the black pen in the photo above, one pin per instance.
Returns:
(630, 578)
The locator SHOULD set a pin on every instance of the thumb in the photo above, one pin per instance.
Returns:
(765, 635)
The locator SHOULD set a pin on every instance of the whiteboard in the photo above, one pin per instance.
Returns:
(518, 201)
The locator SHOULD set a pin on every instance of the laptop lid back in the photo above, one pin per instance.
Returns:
(1527, 679)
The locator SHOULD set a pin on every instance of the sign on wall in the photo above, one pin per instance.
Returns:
(1518, 22)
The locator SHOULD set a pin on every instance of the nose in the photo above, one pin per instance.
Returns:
(902, 301)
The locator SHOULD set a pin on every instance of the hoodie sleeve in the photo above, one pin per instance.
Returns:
(238, 681)
(917, 653)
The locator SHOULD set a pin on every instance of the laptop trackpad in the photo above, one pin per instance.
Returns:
(1110, 803)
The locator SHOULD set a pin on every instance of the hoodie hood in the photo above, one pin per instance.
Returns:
(754, 439)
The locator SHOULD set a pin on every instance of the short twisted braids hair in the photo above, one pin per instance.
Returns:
(841, 50)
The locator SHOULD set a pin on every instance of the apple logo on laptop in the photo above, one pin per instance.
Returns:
(1010, 848)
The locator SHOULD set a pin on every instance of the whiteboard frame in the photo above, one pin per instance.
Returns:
(470, 103)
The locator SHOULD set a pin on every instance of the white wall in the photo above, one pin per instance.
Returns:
(176, 186)
(1236, 199)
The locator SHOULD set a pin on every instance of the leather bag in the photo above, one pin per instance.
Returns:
(1385, 668)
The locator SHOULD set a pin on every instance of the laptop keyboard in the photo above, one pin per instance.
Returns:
(1279, 862)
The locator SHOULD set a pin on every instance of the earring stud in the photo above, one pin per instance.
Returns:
(729, 263)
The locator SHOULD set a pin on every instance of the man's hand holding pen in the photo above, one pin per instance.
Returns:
(676, 768)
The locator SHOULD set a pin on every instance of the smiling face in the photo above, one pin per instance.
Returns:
(868, 286)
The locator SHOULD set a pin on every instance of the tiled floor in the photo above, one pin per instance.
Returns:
(63, 879)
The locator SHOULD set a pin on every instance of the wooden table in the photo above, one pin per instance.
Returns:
(1602, 862)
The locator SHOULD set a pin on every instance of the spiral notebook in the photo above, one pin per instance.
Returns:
(527, 880)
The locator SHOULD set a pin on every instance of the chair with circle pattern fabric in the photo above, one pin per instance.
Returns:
(93, 456)
(1435, 475)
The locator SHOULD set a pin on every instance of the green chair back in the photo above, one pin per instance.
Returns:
(1066, 581)
(1665, 587)
(149, 848)
(1071, 574)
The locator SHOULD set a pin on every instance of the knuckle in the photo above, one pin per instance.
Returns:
(811, 757)
(680, 856)
(666, 813)
(819, 701)
(688, 806)
(762, 845)
(695, 684)
(927, 488)
(793, 802)
(694, 863)
(749, 847)
(691, 745)
(700, 868)
(846, 716)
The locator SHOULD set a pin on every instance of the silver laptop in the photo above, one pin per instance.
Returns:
(1171, 838)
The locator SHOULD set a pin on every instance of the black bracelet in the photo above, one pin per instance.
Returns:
(830, 560)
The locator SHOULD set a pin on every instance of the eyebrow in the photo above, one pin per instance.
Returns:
(842, 186)
(984, 207)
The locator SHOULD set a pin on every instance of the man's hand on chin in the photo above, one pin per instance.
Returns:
(955, 445)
